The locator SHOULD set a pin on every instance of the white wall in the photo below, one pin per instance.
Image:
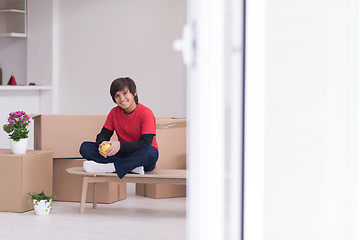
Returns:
(13, 59)
(39, 42)
(11, 102)
(310, 164)
(99, 41)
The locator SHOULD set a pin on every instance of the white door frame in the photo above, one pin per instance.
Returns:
(214, 102)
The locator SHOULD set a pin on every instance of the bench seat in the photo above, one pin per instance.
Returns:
(157, 176)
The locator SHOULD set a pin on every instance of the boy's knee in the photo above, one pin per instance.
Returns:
(152, 155)
(151, 151)
(84, 148)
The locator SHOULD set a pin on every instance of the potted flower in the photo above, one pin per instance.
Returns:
(42, 203)
(17, 129)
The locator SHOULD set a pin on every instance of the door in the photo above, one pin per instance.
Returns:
(212, 46)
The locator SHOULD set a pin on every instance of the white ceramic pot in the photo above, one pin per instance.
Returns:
(42, 207)
(19, 147)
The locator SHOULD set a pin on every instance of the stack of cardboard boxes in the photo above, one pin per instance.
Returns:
(63, 135)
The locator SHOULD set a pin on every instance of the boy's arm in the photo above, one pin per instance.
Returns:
(104, 135)
(130, 147)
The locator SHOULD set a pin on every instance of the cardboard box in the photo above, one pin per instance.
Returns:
(20, 174)
(171, 138)
(68, 187)
(63, 134)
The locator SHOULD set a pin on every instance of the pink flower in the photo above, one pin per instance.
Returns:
(16, 130)
(18, 116)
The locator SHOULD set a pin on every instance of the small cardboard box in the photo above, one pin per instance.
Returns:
(171, 139)
(21, 174)
(63, 134)
(68, 187)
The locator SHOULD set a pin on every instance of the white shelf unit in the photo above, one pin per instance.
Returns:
(12, 18)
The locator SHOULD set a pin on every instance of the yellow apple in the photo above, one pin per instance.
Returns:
(104, 148)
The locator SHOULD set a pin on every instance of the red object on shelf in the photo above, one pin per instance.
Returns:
(12, 80)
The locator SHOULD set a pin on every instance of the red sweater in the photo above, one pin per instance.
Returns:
(130, 127)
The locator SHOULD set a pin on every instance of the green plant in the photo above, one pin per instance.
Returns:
(17, 126)
(41, 196)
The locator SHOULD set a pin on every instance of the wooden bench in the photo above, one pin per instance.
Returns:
(157, 176)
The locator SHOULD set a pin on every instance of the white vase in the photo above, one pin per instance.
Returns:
(19, 147)
(42, 207)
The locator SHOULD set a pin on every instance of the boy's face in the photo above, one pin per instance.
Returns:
(125, 99)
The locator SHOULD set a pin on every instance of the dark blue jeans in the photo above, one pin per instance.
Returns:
(124, 163)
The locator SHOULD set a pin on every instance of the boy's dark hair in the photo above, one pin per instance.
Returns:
(119, 84)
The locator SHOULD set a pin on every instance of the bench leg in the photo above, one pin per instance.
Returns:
(95, 194)
(83, 194)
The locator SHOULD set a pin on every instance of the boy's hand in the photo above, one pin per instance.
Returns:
(112, 150)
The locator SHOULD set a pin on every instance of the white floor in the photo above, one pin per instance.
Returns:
(134, 218)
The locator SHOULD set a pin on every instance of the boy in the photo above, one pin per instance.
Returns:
(136, 149)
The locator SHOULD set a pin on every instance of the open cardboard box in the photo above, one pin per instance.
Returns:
(171, 138)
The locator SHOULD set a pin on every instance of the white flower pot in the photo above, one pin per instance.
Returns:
(42, 207)
(19, 147)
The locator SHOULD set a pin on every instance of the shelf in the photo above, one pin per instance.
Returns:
(13, 34)
(24, 88)
(12, 11)
(13, 18)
